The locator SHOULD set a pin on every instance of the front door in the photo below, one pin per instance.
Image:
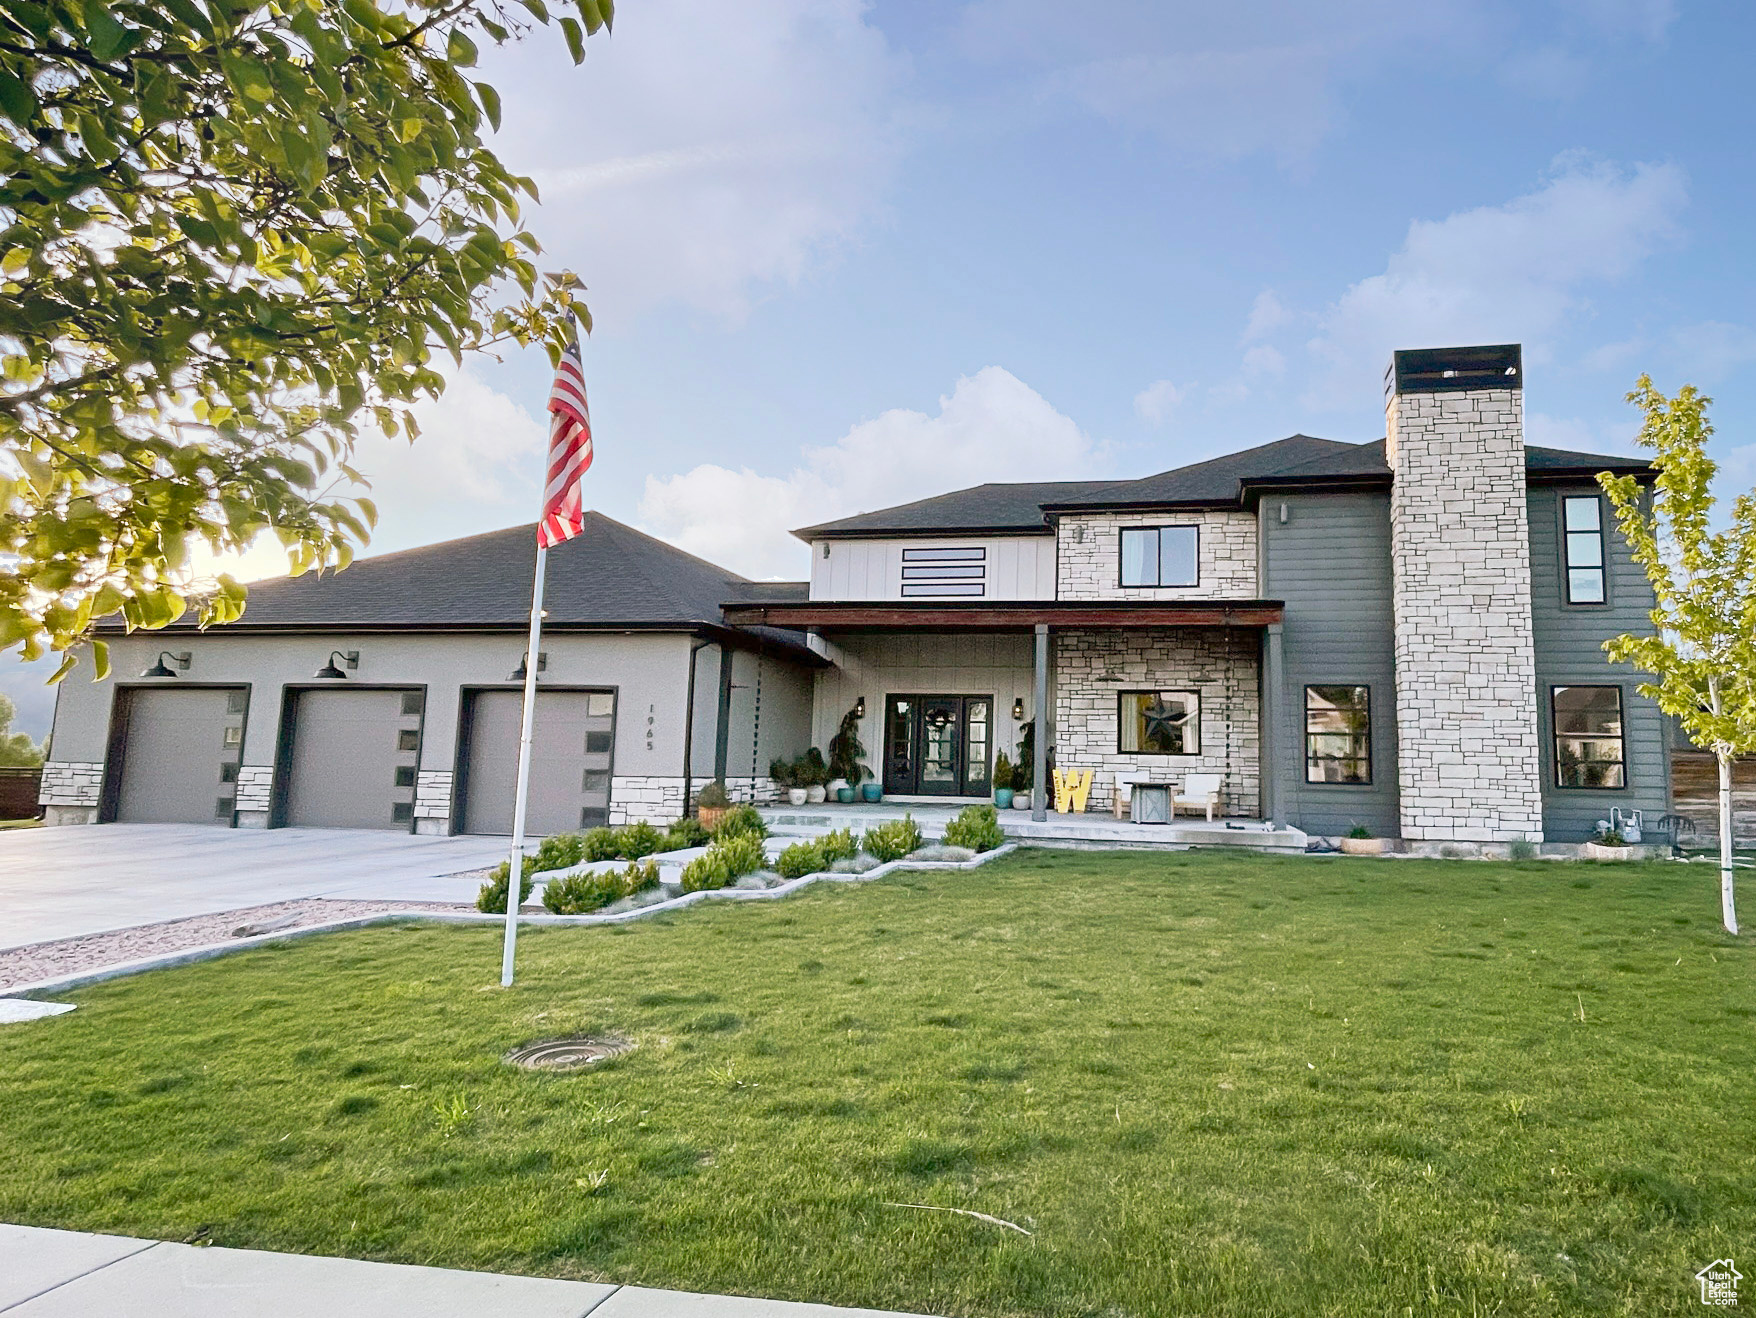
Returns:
(937, 745)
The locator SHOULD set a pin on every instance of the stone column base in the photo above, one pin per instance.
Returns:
(60, 816)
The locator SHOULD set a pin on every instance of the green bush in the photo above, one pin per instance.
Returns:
(839, 845)
(894, 840)
(976, 827)
(578, 894)
(727, 860)
(600, 844)
(741, 820)
(1002, 772)
(492, 897)
(1359, 831)
(562, 851)
(636, 840)
(713, 796)
(800, 859)
(686, 833)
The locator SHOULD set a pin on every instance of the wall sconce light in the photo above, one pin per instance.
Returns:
(1018, 709)
(519, 673)
(860, 707)
(160, 669)
(351, 658)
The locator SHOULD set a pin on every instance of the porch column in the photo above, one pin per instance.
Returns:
(1039, 809)
(1273, 679)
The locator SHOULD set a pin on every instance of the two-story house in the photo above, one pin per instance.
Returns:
(1404, 635)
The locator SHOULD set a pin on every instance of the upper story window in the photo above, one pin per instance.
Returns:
(952, 571)
(1582, 523)
(1160, 555)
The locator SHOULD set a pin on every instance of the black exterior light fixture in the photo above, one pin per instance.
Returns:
(519, 673)
(161, 669)
(351, 658)
(860, 707)
(1018, 709)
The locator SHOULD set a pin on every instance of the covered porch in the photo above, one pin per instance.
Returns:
(1129, 690)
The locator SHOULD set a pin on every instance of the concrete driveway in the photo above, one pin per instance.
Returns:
(63, 882)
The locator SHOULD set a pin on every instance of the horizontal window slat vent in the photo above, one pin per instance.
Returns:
(959, 555)
(942, 573)
(941, 589)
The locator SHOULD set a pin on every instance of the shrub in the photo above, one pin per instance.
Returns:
(713, 796)
(894, 840)
(728, 859)
(636, 840)
(600, 844)
(802, 858)
(1523, 849)
(781, 771)
(579, 893)
(976, 827)
(560, 852)
(741, 820)
(846, 754)
(686, 832)
(492, 897)
(1002, 772)
(1359, 831)
(839, 845)
(811, 769)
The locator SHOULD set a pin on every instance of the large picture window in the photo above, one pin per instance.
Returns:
(1338, 734)
(1582, 523)
(1159, 723)
(1588, 737)
(1160, 555)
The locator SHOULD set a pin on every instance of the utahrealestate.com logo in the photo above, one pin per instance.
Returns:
(1719, 1283)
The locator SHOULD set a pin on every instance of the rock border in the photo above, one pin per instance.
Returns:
(191, 955)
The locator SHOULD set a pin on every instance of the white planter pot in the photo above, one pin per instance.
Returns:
(835, 787)
(1598, 851)
(1021, 801)
(815, 794)
(1363, 846)
(797, 795)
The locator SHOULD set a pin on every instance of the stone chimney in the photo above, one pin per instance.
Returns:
(1469, 765)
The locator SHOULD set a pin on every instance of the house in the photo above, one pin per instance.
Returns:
(1404, 635)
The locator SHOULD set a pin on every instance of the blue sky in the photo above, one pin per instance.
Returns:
(843, 255)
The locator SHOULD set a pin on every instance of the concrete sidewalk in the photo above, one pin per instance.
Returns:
(60, 1274)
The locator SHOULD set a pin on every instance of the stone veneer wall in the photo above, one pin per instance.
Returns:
(1089, 550)
(255, 790)
(1469, 767)
(71, 783)
(1092, 668)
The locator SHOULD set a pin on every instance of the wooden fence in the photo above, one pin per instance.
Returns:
(1695, 794)
(18, 793)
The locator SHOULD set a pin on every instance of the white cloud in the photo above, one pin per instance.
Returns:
(991, 427)
(1713, 349)
(1266, 315)
(703, 152)
(1264, 360)
(1155, 403)
(1497, 274)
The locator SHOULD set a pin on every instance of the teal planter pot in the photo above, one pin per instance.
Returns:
(1003, 798)
(871, 793)
(845, 795)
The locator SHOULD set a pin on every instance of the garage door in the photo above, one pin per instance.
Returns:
(353, 761)
(569, 761)
(179, 752)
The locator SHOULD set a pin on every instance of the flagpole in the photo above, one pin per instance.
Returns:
(515, 866)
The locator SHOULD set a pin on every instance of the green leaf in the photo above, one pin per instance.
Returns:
(490, 103)
(17, 101)
(106, 37)
(460, 50)
(575, 38)
(100, 658)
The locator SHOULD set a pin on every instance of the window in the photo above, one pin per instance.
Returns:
(951, 571)
(228, 772)
(405, 775)
(402, 811)
(1159, 723)
(237, 702)
(232, 736)
(222, 808)
(411, 702)
(1338, 734)
(598, 743)
(600, 704)
(1588, 736)
(1582, 523)
(408, 740)
(1160, 555)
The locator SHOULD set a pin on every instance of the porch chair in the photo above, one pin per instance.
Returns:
(1200, 792)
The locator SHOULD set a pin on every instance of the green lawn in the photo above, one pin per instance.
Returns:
(1207, 1084)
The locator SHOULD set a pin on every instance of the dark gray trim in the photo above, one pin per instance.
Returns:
(1305, 738)
(283, 754)
(1455, 370)
(1565, 584)
(1555, 738)
(722, 741)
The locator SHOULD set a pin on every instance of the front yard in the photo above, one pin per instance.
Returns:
(1205, 1084)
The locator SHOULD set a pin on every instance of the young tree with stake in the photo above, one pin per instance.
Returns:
(1702, 656)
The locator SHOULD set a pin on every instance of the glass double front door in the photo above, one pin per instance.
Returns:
(937, 745)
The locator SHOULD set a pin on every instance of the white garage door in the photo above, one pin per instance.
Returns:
(179, 750)
(571, 740)
(354, 758)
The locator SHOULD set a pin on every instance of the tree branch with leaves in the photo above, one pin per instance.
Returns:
(1702, 655)
(231, 234)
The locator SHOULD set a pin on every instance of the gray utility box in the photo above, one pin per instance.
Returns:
(1151, 804)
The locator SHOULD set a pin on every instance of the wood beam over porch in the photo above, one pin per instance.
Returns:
(1001, 615)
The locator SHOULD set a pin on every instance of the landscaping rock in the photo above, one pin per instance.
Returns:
(940, 852)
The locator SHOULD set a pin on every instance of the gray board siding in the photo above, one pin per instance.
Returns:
(1330, 562)
(1569, 649)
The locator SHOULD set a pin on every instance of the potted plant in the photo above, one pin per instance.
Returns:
(847, 757)
(1610, 845)
(785, 775)
(711, 804)
(811, 771)
(1002, 781)
(1360, 842)
(1024, 768)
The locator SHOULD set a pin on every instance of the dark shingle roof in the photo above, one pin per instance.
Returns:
(609, 576)
(1217, 482)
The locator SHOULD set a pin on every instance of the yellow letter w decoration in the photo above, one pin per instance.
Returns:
(1072, 786)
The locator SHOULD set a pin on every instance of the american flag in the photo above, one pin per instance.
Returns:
(569, 453)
